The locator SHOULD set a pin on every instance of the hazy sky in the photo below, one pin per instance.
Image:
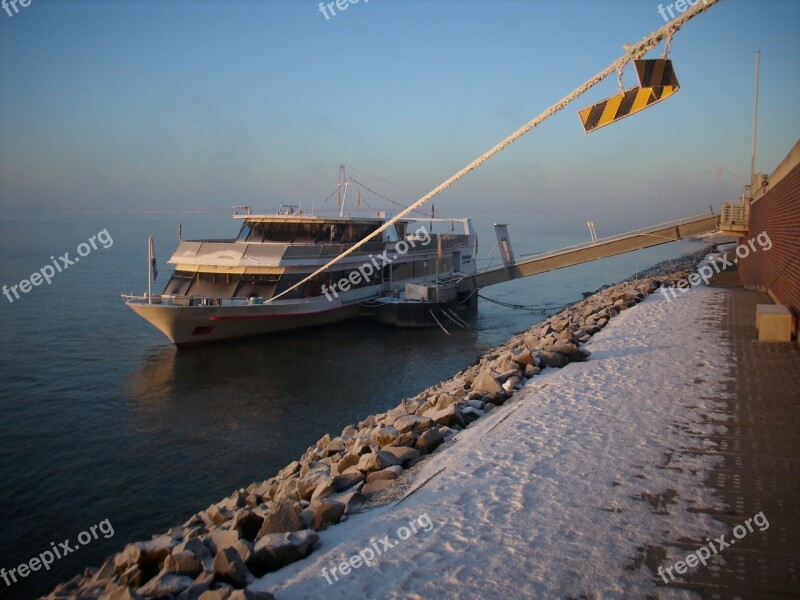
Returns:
(141, 104)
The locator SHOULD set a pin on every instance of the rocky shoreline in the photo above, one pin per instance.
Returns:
(219, 551)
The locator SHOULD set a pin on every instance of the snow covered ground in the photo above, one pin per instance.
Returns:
(568, 490)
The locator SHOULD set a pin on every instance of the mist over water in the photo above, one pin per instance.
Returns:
(103, 419)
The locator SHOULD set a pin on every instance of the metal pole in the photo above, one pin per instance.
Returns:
(755, 125)
(149, 268)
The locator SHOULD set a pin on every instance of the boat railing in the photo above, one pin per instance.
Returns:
(173, 300)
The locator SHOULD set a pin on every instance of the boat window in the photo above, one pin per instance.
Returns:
(244, 232)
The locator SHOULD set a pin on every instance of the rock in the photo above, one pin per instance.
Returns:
(248, 594)
(323, 490)
(307, 484)
(471, 414)
(337, 445)
(384, 436)
(348, 460)
(530, 371)
(413, 423)
(195, 591)
(248, 524)
(230, 568)
(289, 470)
(524, 358)
(374, 487)
(352, 501)
(183, 563)
(219, 539)
(401, 454)
(216, 516)
(485, 383)
(531, 341)
(370, 462)
(132, 576)
(447, 416)
(387, 473)
(328, 513)
(553, 359)
(345, 482)
(514, 383)
(147, 556)
(404, 439)
(428, 441)
(281, 518)
(564, 347)
(245, 550)
(165, 584)
(443, 401)
(219, 594)
(121, 593)
(277, 550)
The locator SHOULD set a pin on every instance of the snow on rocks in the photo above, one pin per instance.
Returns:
(218, 552)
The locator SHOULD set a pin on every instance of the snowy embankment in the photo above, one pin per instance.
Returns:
(568, 490)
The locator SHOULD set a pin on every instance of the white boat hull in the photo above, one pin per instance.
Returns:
(193, 325)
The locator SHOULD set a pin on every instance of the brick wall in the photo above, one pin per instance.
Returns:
(776, 271)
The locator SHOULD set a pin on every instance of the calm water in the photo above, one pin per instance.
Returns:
(100, 418)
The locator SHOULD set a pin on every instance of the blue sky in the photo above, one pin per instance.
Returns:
(177, 104)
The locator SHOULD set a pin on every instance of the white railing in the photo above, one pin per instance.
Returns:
(612, 238)
(735, 214)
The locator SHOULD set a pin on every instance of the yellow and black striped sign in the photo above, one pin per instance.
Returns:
(655, 73)
(622, 105)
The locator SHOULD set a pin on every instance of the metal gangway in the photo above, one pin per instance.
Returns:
(639, 239)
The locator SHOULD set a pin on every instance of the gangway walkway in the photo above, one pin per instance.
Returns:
(662, 233)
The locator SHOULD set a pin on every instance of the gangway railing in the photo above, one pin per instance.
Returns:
(637, 239)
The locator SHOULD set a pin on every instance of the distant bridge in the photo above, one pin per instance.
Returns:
(595, 250)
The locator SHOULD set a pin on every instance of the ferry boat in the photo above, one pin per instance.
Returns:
(225, 289)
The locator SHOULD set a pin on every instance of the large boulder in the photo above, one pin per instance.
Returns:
(524, 358)
(165, 584)
(553, 359)
(387, 473)
(413, 423)
(219, 539)
(429, 441)
(485, 383)
(327, 513)
(373, 487)
(230, 568)
(277, 550)
(183, 563)
(248, 523)
(281, 518)
(447, 416)
(401, 453)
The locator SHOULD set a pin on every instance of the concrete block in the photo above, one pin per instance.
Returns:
(774, 323)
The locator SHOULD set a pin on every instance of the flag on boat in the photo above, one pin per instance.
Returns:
(153, 267)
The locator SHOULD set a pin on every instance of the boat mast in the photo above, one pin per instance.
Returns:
(149, 269)
(342, 184)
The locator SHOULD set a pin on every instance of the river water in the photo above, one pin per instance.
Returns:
(101, 418)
